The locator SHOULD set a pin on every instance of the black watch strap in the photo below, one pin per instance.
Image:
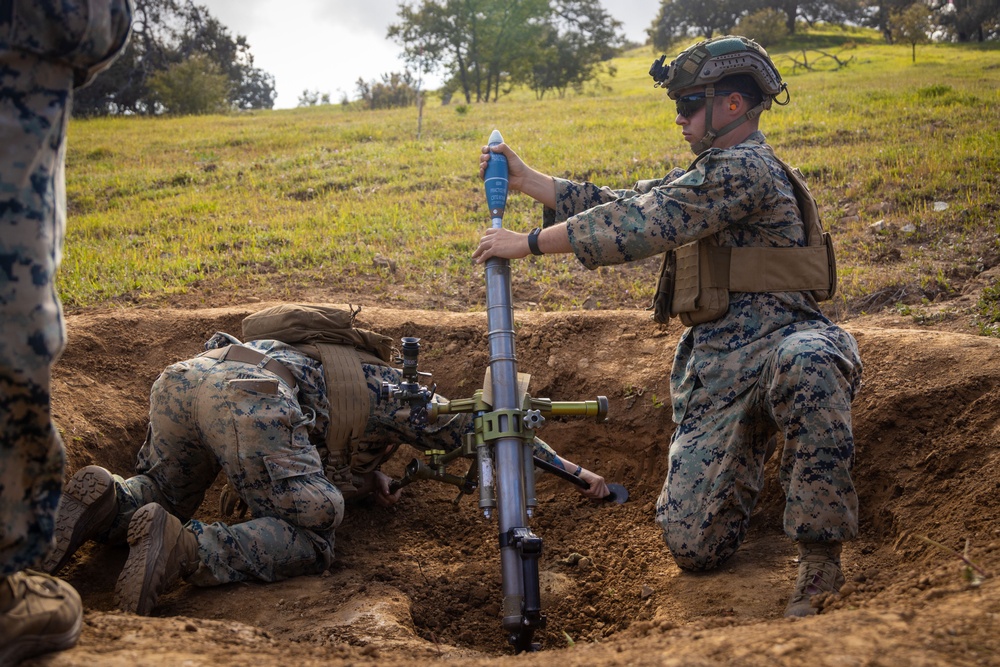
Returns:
(533, 241)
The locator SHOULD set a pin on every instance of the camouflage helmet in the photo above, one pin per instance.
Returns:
(711, 60)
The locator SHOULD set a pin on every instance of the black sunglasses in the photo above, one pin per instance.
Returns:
(688, 105)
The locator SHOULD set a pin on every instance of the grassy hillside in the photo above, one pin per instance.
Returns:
(269, 204)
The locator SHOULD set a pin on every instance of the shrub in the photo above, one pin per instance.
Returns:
(191, 87)
(988, 311)
(765, 26)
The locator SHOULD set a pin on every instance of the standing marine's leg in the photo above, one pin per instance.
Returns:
(810, 382)
(34, 99)
(38, 613)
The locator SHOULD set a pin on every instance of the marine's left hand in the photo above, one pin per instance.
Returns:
(382, 495)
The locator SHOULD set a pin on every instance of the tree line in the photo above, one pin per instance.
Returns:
(180, 59)
(486, 47)
(957, 20)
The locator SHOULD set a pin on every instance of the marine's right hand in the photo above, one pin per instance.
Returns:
(597, 488)
(383, 496)
(517, 170)
(498, 242)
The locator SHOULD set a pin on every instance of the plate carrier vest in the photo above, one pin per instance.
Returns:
(696, 278)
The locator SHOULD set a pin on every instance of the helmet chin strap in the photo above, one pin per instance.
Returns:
(711, 134)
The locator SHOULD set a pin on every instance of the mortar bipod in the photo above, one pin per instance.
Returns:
(529, 617)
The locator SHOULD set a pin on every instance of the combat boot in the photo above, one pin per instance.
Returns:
(88, 507)
(819, 572)
(38, 614)
(161, 552)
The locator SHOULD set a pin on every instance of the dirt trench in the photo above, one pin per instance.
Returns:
(419, 582)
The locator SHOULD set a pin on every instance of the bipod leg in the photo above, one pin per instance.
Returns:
(529, 548)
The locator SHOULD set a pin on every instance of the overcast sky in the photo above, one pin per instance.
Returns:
(326, 45)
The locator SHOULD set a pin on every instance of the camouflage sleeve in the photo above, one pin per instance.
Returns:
(721, 189)
(575, 198)
(572, 198)
(543, 451)
(85, 36)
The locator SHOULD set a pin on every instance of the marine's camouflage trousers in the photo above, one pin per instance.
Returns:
(34, 103)
(206, 416)
(717, 455)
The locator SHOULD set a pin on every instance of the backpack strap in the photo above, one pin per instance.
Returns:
(350, 407)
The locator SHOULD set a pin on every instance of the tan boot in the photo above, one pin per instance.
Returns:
(38, 614)
(161, 552)
(819, 572)
(87, 509)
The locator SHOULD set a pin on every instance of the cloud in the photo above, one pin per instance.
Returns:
(372, 16)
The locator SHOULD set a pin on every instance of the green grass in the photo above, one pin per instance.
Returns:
(276, 203)
(988, 311)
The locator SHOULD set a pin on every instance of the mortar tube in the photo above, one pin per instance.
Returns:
(508, 450)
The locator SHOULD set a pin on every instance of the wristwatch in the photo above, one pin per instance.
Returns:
(533, 241)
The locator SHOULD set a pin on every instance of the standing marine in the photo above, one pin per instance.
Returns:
(47, 49)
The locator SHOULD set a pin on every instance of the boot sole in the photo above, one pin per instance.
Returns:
(139, 582)
(88, 501)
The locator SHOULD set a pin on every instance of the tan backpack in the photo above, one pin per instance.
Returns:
(327, 333)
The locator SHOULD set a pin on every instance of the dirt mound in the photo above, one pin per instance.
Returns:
(419, 582)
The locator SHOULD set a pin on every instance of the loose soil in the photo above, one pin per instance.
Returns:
(418, 583)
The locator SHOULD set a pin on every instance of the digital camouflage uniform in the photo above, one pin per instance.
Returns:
(46, 48)
(208, 415)
(772, 364)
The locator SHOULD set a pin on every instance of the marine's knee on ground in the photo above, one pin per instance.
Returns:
(698, 552)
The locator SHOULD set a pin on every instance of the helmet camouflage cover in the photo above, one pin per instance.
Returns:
(714, 59)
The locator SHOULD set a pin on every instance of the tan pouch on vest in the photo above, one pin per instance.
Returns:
(700, 293)
(350, 406)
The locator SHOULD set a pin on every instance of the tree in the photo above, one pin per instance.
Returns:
(484, 45)
(879, 13)
(912, 25)
(764, 26)
(968, 20)
(814, 11)
(579, 37)
(311, 98)
(194, 86)
(394, 90)
(166, 33)
(680, 19)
